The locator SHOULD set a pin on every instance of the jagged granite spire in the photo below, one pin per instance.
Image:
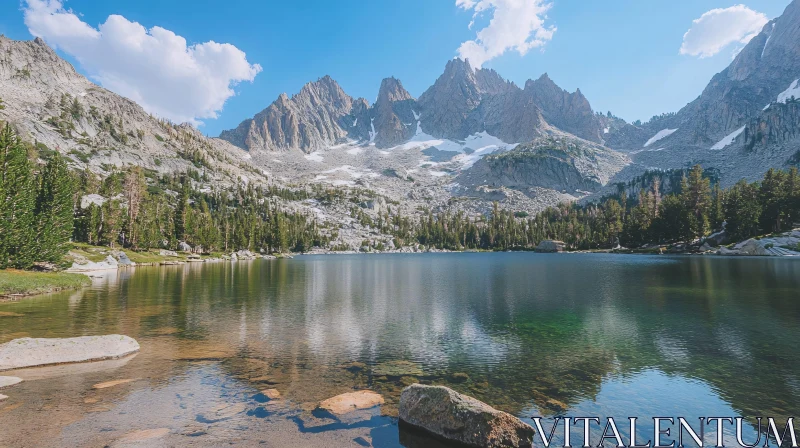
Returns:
(393, 114)
(310, 120)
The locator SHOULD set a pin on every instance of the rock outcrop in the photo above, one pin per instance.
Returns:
(550, 247)
(462, 419)
(786, 244)
(560, 163)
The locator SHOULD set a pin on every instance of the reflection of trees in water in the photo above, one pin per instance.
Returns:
(545, 333)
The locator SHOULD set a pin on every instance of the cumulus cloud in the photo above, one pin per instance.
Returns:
(155, 67)
(718, 28)
(517, 25)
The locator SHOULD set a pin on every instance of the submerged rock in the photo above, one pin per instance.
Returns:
(459, 418)
(272, 394)
(141, 436)
(397, 369)
(108, 384)
(29, 352)
(344, 403)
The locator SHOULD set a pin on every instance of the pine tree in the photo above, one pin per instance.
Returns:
(182, 211)
(717, 214)
(742, 210)
(696, 197)
(54, 211)
(135, 194)
(792, 195)
(772, 199)
(17, 201)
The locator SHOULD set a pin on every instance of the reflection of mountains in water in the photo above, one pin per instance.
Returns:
(514, 330)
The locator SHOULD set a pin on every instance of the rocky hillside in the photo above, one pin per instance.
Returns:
(559, 162)
(56, 108)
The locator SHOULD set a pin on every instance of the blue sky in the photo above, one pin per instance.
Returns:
(624, 55)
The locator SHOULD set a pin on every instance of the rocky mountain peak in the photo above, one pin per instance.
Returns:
(392, 90)
(393, 114)
(450, 100)
(325, 93)
(491, 83)
(570, 112)
(309, 120)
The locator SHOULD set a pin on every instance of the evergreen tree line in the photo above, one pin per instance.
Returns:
(36, 205)
(694, 211)
(41, 211)
(149, 212)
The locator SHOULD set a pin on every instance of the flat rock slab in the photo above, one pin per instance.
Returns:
(344, 403)
(30, 352)
(460, 418)
(6, 381)
(3, 397)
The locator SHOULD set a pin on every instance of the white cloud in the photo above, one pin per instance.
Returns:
(718, 28)
(153, 67)
(515, 25)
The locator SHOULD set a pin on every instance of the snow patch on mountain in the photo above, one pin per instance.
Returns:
(372, 133)
(470, 150)
(315, 156)
(351, 171)
(772, 29)
(728, 139)
(792, 92)
(664, 133)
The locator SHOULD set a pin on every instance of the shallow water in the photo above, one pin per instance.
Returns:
(578, 335)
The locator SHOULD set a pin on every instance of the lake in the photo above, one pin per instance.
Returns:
(530, 334)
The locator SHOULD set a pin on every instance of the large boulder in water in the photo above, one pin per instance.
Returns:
(122, 259)
(550, 246)
(459, 418)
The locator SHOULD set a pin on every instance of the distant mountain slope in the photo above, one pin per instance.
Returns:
(50, 104)
(743, 123)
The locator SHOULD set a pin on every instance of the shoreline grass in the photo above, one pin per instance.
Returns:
(25, 283)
